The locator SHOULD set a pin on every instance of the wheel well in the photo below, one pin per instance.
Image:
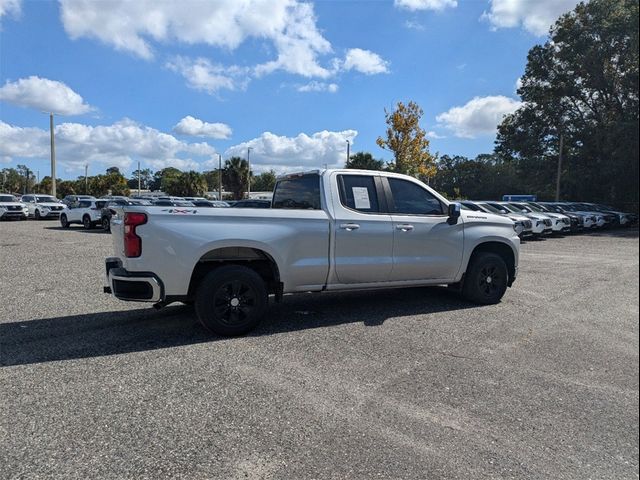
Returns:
(259, 261)
(501, 249)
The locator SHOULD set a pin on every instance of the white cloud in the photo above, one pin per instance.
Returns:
(413, 25)
(534, 16)
(302, 152)
(197, 128)
(363, 61)
(298, 44)
(22, 142)
(315, 86)
(434, 135)
(414, 5)
(10, 7)
(45, 95)
(131, 26)
(103, 145)
(288, 26)
(201, 74)
(479, 116)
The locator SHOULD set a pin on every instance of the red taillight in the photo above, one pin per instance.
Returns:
(132, 242)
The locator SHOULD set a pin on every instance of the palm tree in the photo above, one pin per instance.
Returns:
(193, 184)
(234, 176)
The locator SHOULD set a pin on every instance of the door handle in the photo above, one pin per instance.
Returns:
(349, 226)
(404, 227)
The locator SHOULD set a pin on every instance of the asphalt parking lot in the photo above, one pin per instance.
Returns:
(410, 383)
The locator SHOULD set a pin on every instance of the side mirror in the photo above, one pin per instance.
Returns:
(454, 213)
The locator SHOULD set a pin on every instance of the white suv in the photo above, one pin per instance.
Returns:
(88, 213)
(10, 207)
(42, 206)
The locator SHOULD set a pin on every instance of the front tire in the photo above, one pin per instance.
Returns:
(87, 223)
(231, 300)
(106, 224)
(37, 215)
(64, 223)
(486, 279)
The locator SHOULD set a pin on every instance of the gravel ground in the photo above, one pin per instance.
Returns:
(411, 383)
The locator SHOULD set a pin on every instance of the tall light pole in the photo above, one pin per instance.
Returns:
(86, 178)
(559, 168)
(53, 157)
(249, 173)
(348, 148)
(139, 178)
(219, 176)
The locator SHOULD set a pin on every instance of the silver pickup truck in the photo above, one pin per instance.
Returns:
(326, 230)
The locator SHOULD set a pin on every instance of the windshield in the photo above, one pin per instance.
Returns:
(7, 198)
(46, 198)
(536, 207)
(470, 206)
(519, 207)
(553, 208)
(490, 208)
(510, 208)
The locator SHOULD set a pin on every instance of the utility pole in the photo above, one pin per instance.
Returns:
(219, 177)
(559, 168)
(139, 180)
(86, 178)
(53, 157)
(249, 173)
(348, 148)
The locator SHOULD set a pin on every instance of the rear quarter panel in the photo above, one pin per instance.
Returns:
(173, 243)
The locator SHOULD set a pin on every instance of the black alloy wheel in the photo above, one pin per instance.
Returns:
(486, 278)
(231, 300)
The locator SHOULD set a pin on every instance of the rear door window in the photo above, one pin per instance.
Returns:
(359, 192)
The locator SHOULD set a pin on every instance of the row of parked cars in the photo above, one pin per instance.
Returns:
(531, 219)
(92, 212)
(534, 219)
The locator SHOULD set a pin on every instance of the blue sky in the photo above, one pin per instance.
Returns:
(176, 83)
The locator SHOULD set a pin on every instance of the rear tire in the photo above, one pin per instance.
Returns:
(87, 223)
(486, 279)
(231, 300)
(64, 223)
(106, 224)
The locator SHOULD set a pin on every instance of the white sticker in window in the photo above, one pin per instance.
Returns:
(361, 198)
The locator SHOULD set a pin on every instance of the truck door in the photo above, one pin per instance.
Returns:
(363, 250)
(425, 246)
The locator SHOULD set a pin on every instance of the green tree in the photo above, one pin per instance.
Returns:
(582, 84)
(65, 187)
(163, 178)
(235, 175)
(212, 179)
(27, 179)
(364, 161)
(12, 181)
(408, 142)
(146, 177)
(264, 182)
(187, 184)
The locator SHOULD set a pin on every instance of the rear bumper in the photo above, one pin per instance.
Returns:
(131, 286)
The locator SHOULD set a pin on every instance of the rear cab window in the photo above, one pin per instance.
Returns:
(298, 192)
